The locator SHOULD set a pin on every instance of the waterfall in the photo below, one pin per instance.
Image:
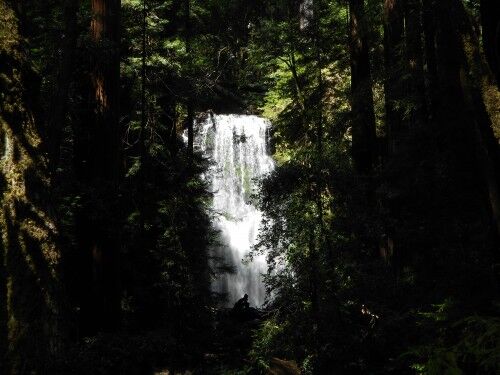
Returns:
(237, 147)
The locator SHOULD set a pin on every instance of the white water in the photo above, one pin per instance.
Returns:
(237, 146)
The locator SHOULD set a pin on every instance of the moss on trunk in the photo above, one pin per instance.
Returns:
(30, 253)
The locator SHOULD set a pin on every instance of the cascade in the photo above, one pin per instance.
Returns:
(237, 148)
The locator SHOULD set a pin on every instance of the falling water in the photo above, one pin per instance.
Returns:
(237, 146)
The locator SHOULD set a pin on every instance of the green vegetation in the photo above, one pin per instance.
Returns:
(381, 220)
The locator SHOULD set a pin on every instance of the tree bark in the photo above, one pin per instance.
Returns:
(32, 297)
(393, 86)
(189, 104)
(141, 180)
(464, 123)
(429, 26)
(482, 97)
(105, 29)
(453, 118)
(363, 117)
(58, 110)
(99, 170)
(414, 53)
(490, 20)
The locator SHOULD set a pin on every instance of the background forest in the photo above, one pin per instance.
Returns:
(381, 221)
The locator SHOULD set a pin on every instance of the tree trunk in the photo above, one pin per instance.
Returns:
(4, 317)
(483, 98)
(105, 28)
(57, 116)
(429, 25)
(99, 171)
(32, 298)
(393, 86)
(189, 104)
(461, 120)
(490, 20)
(141, 180)
(453, 119)
(363, 117)
(414, 53)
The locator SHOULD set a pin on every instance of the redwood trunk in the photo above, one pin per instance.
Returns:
(100, 170)
(414, 52)
(393, 47)
(429, 27)
(490, 20)
(57, 117)
(32, 309)
(363, 117)
(189, 104)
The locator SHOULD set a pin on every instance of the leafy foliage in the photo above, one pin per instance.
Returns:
(388, 271)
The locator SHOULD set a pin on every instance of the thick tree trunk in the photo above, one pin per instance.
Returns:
(189, 104)
(490, 20)
(29, 276)
(483, 98)
(414, 54)
(429, 26)
(454, 122)
(143, 152)
(394, 68)
(99, 170)
(105, 29)
(58, 110)
(4, 317)
(463, 122)
(363, 117)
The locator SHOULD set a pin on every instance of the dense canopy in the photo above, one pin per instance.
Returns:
(380, 216)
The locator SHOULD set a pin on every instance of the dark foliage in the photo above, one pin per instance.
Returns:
(381, 221)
